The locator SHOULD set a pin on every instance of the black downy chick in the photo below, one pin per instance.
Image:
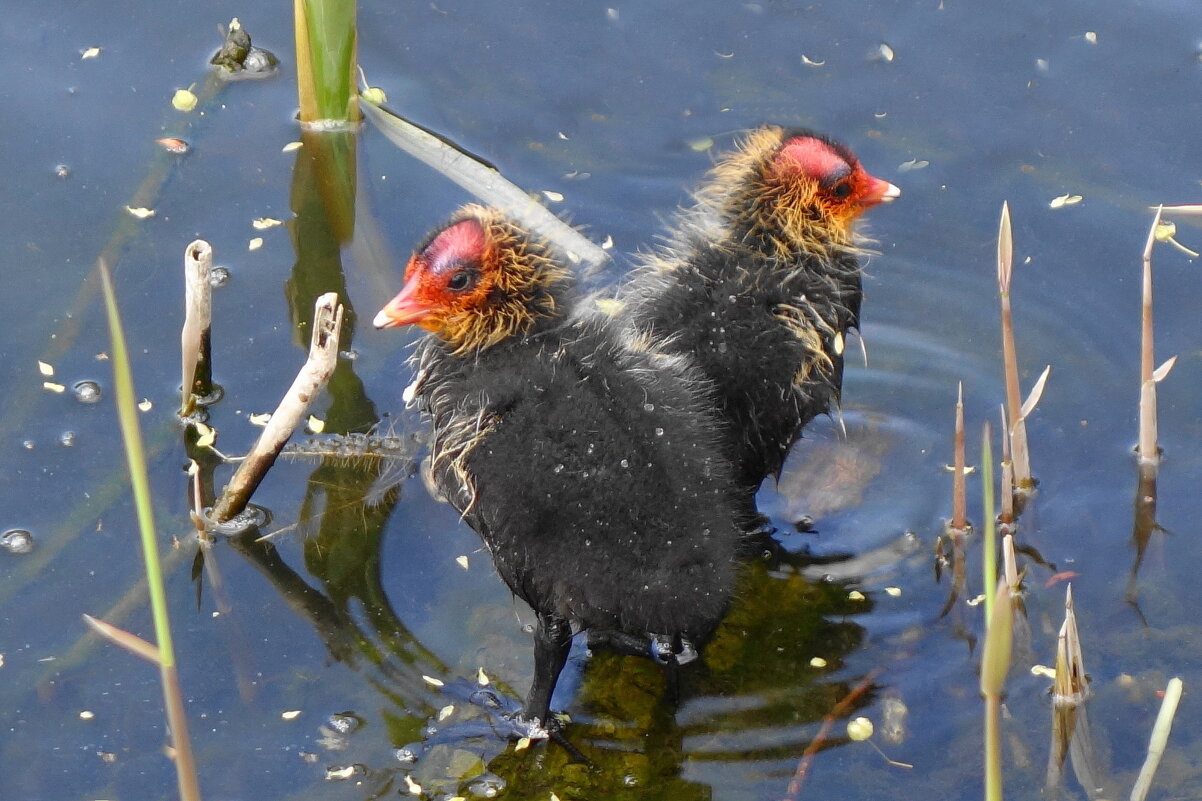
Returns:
(586, 458)
(760, 283)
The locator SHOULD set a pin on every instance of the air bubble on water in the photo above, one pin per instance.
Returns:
(87, 391)
(16, 540)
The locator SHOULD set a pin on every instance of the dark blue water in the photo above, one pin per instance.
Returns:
(609, 106)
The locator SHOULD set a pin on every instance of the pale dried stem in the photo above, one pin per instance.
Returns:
(323, 356)
(1010, 563)
(959, 493)
(1148, 451)
(1160, 737)
(127, 640)
(1070, 688)
(1016, 426)
(1006, 516)
(195, 337)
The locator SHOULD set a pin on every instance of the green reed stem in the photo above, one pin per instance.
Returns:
(131, 434)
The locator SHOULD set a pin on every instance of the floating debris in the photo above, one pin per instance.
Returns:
(291, 714)
(184, 100)
(87, 715)
(16, 540)
(173, 145)
(140, 212)
(461, 561)
(1065, 200)
(341, 773)
(239, 59)
(67, 439)
(1091, 37)
(254, 244)
(608, 244)
(315, 425)
(913, 164)
(87, 392)
(809, 62)
(855, 595)
(45, 369)
(818, 662)
(91, 52)
(345, 722)
(884, 53)
(482, 677)
(51, 386)
(263, 223)
(554, 197)
(893, 592)
(259, 419)
(433, 682)
(219, 277)
(145, 405)
(446, 712)
(62, 171)
(288, 148)
(859, 729)
(412, 787)
(701, 145)
(207, 437)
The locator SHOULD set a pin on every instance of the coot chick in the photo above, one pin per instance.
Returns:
(760, 282)
(586, 457)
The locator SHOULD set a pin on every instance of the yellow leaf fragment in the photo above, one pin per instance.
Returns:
(140, 212)
(288, 148)
(259, 419)
(207, 436)
(482, 677)
(461, 561)
(893, 592)
(91, 52)
(818, 662)
(184, 100)
(291, 714)
(809, 62)
(1091, 37)
(145, 405)
(1043, 671)
(522, 744)
(87, 715)
(446, 712)
(554, 197)
(263, 223)
(859, 729)
(433, 682)
(45, 369)
(412, 787)
(374, 94)
(701, 145)
(316, 425)
(886, 52)
(855, 595)
(254, 244)
(53, 387)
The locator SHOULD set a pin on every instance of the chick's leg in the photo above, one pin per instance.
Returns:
(552, 641)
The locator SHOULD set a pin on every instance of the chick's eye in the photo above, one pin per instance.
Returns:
(459, 281)
(841, 190)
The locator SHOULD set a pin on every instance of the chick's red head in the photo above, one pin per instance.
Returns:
(443, 280)
(475, 281)
(832, 172)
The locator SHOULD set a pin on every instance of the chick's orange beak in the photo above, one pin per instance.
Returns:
(405, 309)
(878, 192)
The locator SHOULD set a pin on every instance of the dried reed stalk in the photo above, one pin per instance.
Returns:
(323, 356)
(959, 492)
(1160, 737)
(1016, 426)
(195, 337)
